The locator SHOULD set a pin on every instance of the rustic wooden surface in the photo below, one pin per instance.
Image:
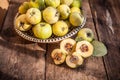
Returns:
(23, 60)
(3, 9)
(107, 22)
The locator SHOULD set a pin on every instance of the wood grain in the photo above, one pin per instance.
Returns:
(92, 68)
(24, 60)
(107, 21)
(3, 10)
(19, 59)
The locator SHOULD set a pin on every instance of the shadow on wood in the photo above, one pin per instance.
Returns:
(2, 15)
(9, 34)
(4, 76)
(22, 49)
(3, 10)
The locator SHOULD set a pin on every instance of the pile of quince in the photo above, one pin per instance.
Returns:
(73, 52)
(47, 17)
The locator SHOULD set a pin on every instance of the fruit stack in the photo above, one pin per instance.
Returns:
(49, 17)
(73, 52)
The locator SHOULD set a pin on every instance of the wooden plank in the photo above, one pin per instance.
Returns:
(92, 69)
(19, 59)
(3, 10)
(107, 21)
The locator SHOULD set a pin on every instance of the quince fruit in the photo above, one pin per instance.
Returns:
(58, 56)
(53, 3)
(74, 60)
(75, 9)
(51, 15)
(76, 3)
(86, 34)
(76, 19)
(41, 3)
(84, 48)
(67, 45)
(42, 30)
(33, 5)
(64, 11)
(23, 8)
(60, 28)
(67, 2)
(22, 24)
(33, 16)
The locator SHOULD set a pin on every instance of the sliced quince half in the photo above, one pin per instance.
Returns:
(74, 60)
(58, 56)
(84, 48)
(67, 45)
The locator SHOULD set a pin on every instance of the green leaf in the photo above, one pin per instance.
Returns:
(99, 49)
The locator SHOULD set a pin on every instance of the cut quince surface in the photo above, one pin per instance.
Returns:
(67, 45)
(84, 48)
(58, 56)
(74, 60)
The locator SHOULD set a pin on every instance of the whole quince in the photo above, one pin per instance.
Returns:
(67, 2)
(64, 11)
(53, 3)
(60, 28)
(33, 16)
(51, 15)
(21, 23)
(76, 19)
(23, 8)
(42, 30)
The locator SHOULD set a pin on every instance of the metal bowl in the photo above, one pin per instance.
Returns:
(52, 39)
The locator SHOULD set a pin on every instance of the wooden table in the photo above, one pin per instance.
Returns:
(23, 60)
